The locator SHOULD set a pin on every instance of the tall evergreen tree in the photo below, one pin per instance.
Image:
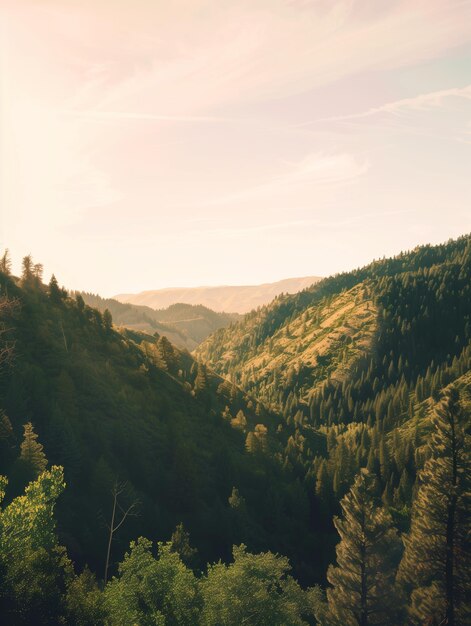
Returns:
(437, 563)
(201, 380)
(107, 320)
(180, 542)
(27, 268)
(32, 453)
(363, 590)
(55, 292)
(5, 263)
(38, 270)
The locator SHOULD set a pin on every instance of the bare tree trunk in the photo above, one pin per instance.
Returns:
(110, 538)
(114, 525)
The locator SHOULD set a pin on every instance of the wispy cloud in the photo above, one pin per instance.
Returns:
(417, 103)
(247, 51)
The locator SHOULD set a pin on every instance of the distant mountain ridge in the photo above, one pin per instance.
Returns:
(224, 298)
(185, 325)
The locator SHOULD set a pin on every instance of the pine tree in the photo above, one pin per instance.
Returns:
(5, 263)
(32, 453)
(167, 353)
(383, 461)
(322, 481)
(27, 268)
(261, 436)
(55, 292)
(323, 490)
(80, 302)
(436, 562)
(38, 270)
(236, 501)
(251, 443)
(362, 592)
(239, 421)
(107, 320)
(6, 429)
(180, 543)
(7, 438)
(201, 380)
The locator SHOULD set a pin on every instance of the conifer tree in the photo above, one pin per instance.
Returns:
(322, 481)
(383, 460)
(251, 443)
(32, 453)
(6, 429)
(261, 436)
(239, 421)
(27, 268)
(6, 439)
(167, 353)
(180, 543)
(5, 263)
(107, 320)
(201, 380)
(236, 501)
(362, 592)
(436, 562)
(55, 292)
(38, 270)
(80, 302)
(324, 490)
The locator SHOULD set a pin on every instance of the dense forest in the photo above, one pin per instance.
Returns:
(309, 464)
(353, 363)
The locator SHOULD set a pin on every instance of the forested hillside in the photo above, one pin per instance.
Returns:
(185, 325)
(331, 427)
(131, 407)
(353, 365)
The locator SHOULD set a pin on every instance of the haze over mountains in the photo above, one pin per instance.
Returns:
(227, 298)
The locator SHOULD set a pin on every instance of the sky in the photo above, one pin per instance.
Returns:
(149, 144)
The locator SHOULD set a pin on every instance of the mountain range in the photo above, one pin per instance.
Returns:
(185, 325)
(226, 298)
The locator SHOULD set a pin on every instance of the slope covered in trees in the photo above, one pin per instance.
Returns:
(353, 359)
(347, 450)
(414, 308)
(130, 407)
(374, 581)
(185, 325)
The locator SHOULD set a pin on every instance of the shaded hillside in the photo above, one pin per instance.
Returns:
(184, 325)
(237, 298)
(128, 406)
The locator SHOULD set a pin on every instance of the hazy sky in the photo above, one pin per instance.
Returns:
(148, 144)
